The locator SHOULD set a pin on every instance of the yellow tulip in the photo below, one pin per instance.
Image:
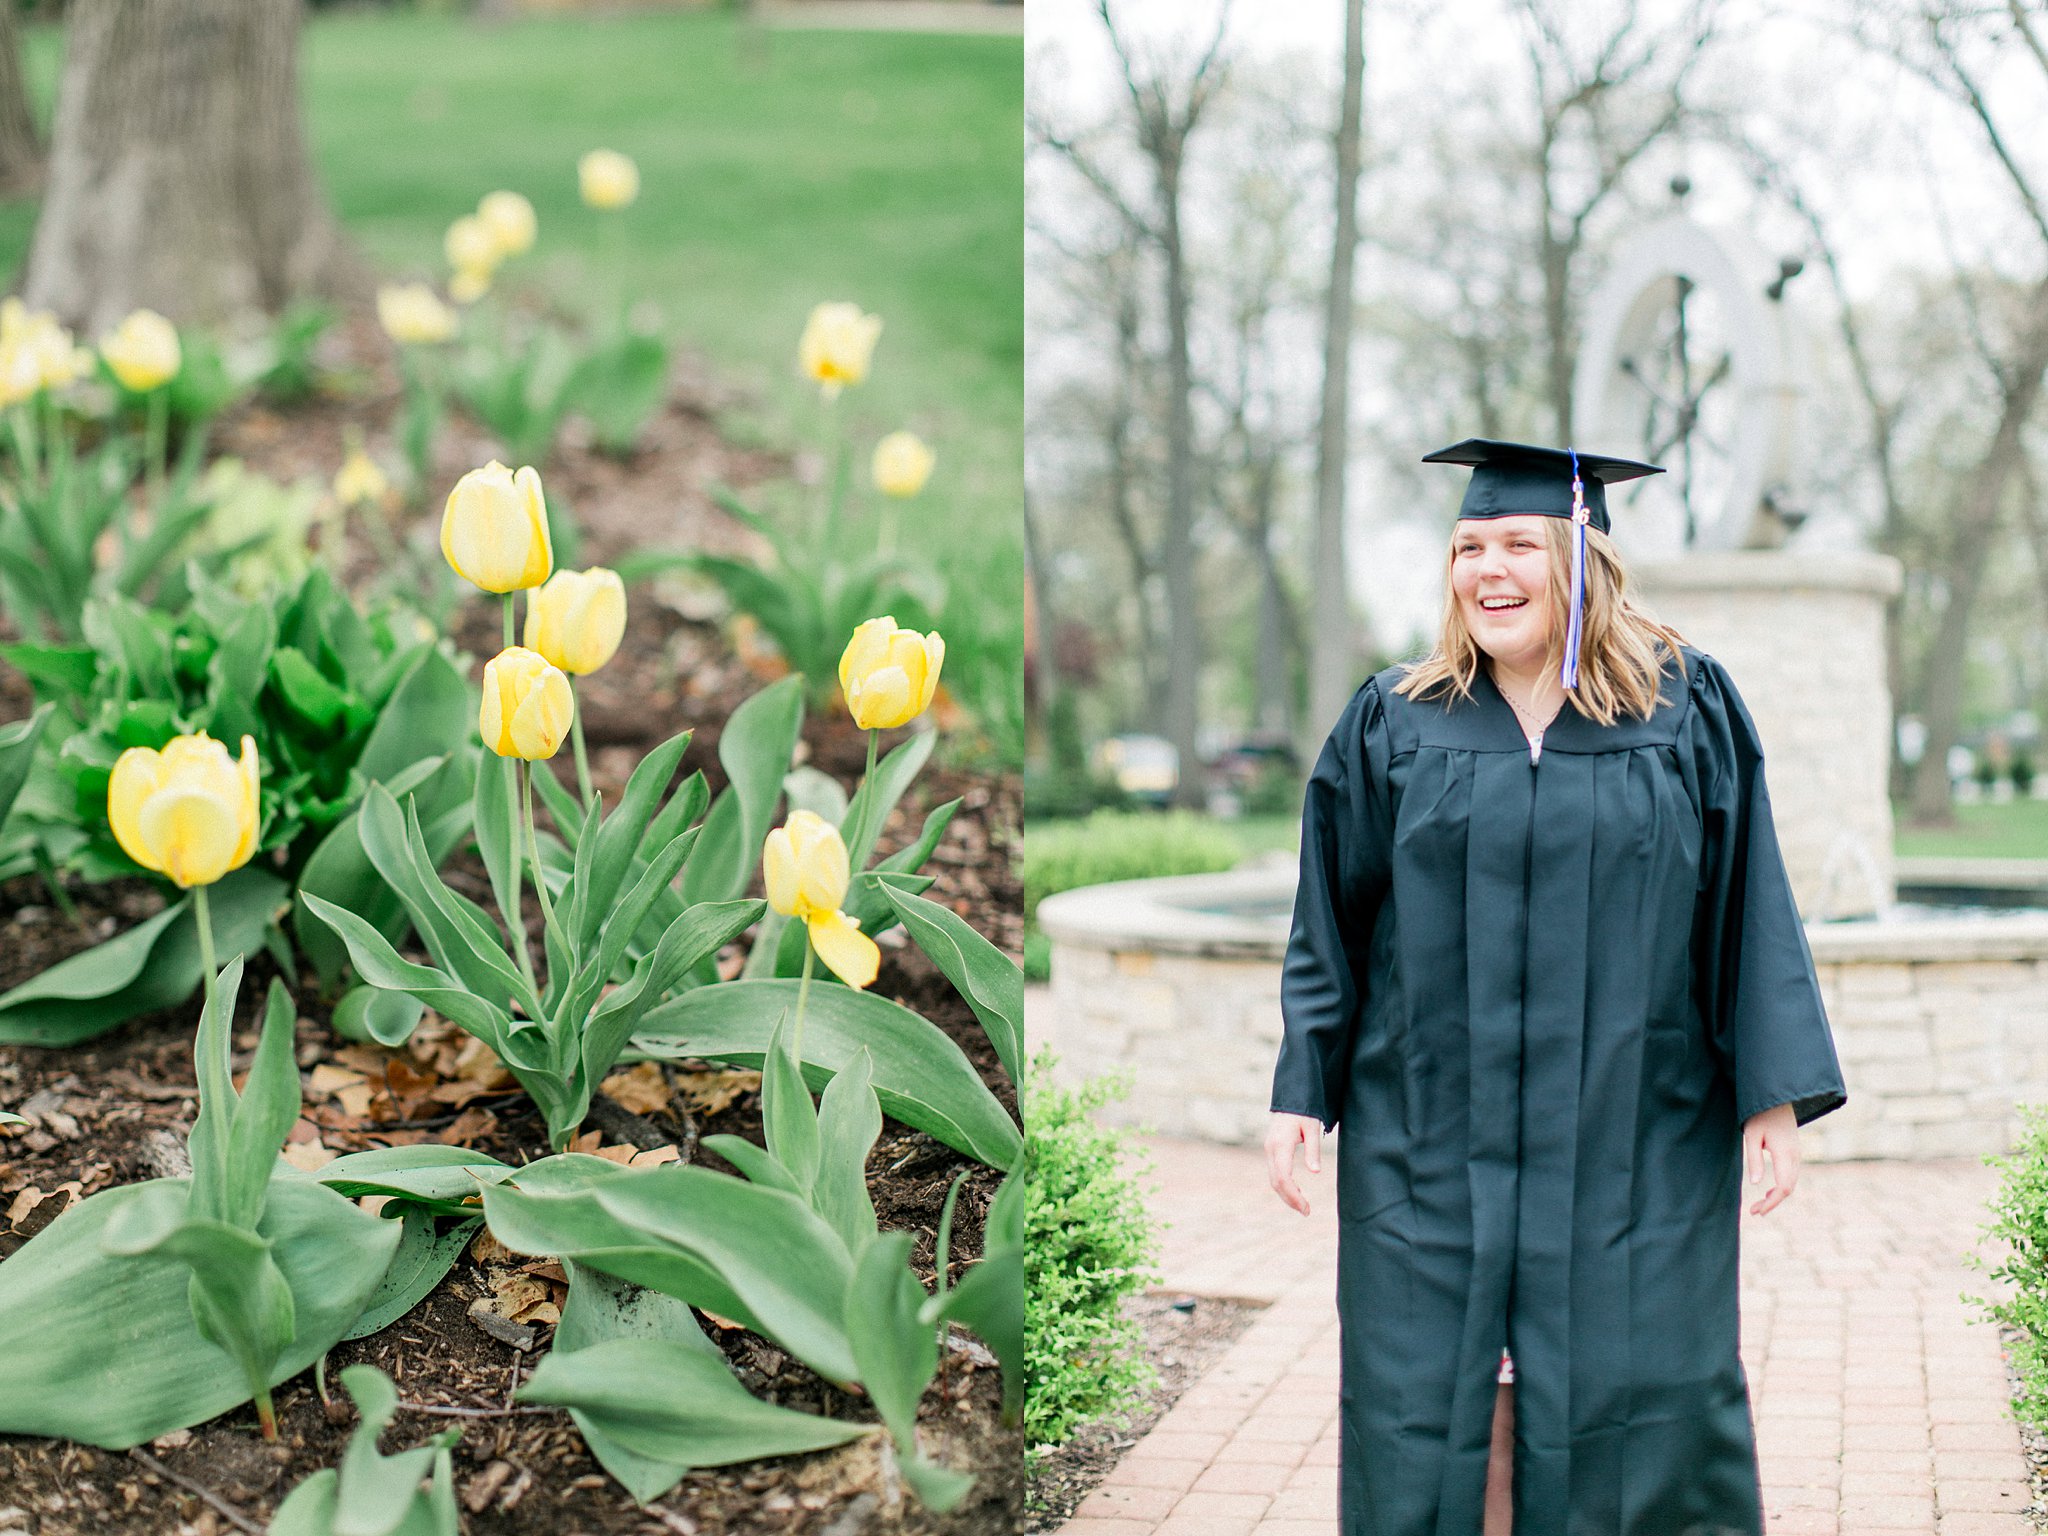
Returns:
(471, 245)
(360, 483)
(511, 221)
(837, 344)
(804, 866)
(143, 351)
(412, 314)
(902, 464)
(889, 675)
(577, 620)
(494, 530)
(527, 705)
(469, 284)
(607, 179)
(189, 811)
(36, 353)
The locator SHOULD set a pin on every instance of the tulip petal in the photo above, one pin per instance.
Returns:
(882, 700)
(249, 811)
(778, 871)
(539, 552)
(542, 719)
(137, 773)
(864, 652)
(850, 954)
(195, 832)
(935, 658)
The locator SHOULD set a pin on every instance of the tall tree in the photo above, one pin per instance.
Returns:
(1936, 47)
(1598, 110)
(1167, 105)
(178, 173)
(1333, 650)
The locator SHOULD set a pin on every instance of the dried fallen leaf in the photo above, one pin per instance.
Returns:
(655, 1156)
(327, 1080)
(711, 1090)
(641, 1089)
(309, 1156)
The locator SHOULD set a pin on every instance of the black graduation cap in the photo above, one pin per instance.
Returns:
(1510, 479)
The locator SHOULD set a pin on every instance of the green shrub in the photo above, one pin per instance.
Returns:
(1037, 955)
(1121, 846)
(2020, 1219)
(1088, 1244)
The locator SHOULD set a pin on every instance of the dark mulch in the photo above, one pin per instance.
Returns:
(1184, 1336)
(108, 1110)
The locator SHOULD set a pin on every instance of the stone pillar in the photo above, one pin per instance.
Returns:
(1803, 636)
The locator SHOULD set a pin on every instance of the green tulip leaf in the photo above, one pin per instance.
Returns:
(877, 796)
(754, 748)
(446, 1180)
(922, 1078)
(17, 751)
(849, 1121)
(989, 1298)
(898, 1353)
(675, 1406)
(744, 1251)
(426, 1250)
(153, 965)
(372, 1494)
(104, 1348)
(371, 1014)
(990, 980)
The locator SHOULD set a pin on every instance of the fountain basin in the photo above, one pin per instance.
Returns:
(1940, 1018)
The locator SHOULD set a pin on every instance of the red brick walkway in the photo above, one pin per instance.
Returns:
(1880, 1404)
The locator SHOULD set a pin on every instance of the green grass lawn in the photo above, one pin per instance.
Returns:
(2015, 831)
(777, 170)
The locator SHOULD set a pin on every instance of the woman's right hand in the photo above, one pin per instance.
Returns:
(1283, 1136)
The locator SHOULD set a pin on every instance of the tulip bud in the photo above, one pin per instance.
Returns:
(511, 221)
(804, 866)
(889, 675)
(36, 353)
(577, 620)
(189, 811)
(470, 245)
(527, 705)
(837, 343)
(607, 179)
(494, 531)
(902, 464)
(143, 351)
(360, 483)
(412, 315)
(469, 284)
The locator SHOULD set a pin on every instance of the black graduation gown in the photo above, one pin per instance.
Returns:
(1542, 1000)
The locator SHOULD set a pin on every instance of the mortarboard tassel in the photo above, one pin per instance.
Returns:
(1574, 629)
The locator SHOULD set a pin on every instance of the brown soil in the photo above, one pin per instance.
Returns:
(2033, 1441)
(1181, 1345)
(106, 1110)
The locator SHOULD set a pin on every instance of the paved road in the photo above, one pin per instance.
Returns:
(1880, 1404)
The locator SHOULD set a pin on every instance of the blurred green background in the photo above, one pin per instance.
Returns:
(778, 169)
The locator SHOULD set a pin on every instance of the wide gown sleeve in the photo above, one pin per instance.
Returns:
(1346, 839)
(1758, 993)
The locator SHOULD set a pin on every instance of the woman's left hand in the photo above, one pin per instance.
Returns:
(1772, 1133)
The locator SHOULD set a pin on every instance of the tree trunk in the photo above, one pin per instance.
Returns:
(1183, 617)
(1333, 650)
(21, 153)
(179, 178)
(1976, 521)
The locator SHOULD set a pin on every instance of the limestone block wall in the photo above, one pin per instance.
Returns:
(1941, 1026)
(1803, 637)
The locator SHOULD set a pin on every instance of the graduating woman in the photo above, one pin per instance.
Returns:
(1546, 970)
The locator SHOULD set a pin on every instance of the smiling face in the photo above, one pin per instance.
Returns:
(1501, 575)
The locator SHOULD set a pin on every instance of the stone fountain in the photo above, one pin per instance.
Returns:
(1937, 1018)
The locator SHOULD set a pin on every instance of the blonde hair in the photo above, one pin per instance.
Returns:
(1622, 649)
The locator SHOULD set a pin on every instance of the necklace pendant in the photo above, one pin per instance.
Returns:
(1535, 748)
